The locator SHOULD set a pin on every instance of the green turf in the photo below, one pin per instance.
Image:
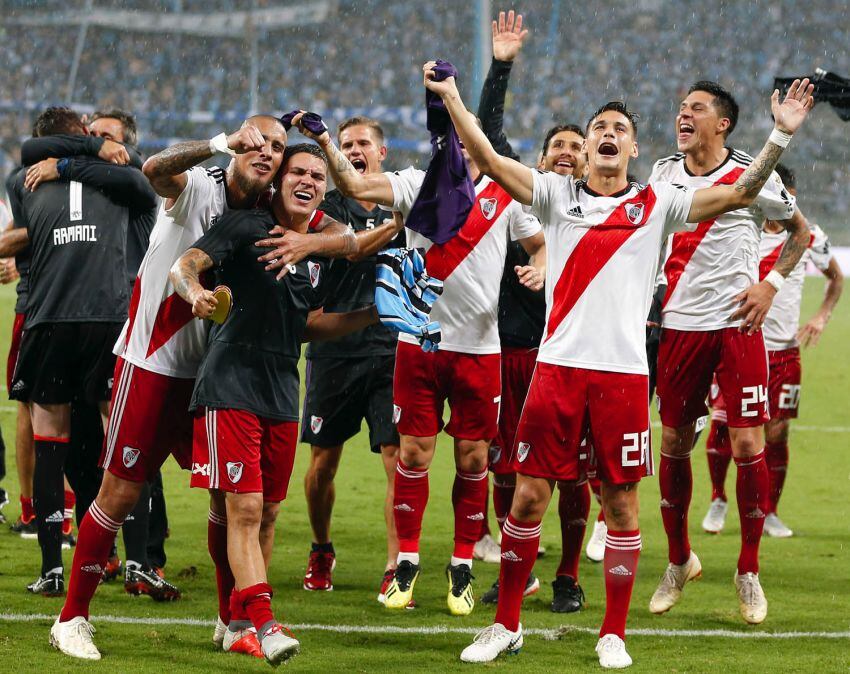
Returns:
(806, 577)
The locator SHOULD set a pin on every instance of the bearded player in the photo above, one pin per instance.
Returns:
(603, 239)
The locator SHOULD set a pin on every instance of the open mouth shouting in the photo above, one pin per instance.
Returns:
(565, 163)
(686, 132)
(359, 164)
(262, 167)
(303, 196)
(608, 150)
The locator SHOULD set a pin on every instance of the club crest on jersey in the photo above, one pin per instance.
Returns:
(234, 471)
(495, 454)
(488, 207)
(131, 455)
(634, 212)
(313, 270)
(396, 413)
(316, 423)
(522, 451)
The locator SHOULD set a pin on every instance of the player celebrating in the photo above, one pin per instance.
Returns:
(464, 372)
(603, 238)
(703, 334)
(782, 337)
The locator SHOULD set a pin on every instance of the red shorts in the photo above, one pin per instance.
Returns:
(688, 359)
(423, 382)
(783, 388)
(14, 348)
(565, 405)
(148, 420)
(517, 368)
(242, 453)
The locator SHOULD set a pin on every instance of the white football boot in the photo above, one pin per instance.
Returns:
(74, 638)
(595, 549)
(715, 518)
(611, 650)
(775, 527)
(751, 599)
(492, 641)
(669, 590)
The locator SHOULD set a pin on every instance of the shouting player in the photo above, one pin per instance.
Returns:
(603, 238)
(708, 271)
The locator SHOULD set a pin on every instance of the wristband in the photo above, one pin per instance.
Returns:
(779, 138)
(62, 166)
(219, 144)
(775, 279)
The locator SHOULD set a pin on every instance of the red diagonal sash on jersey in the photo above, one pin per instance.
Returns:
(592, 252)
(685, 244)
(441, 260)
(768, 261)
(173, 314)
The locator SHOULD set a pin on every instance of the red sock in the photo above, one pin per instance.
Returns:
(70, 502)
(776, 455)
(503, 497)
(752, 489)
(676, 483)
(97, 532)
(520, 541)
(410, 496)
(485, 525)
(236, 609)
(719, 455)
(573, 509)
(27, 512)
(622, 550)
(217, 546)
(257, 600)
(469, 498)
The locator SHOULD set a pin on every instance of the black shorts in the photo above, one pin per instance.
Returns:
(341, 392)
(60, 361)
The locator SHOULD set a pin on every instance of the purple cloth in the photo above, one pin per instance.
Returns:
(311, 121)
(447, 193)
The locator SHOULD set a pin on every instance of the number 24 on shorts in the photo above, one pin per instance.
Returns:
(751, 398)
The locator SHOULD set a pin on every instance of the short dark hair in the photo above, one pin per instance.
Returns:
(309, 148)
(551, 133)
(787, 176)
(128, 123)
(362, 120)
(57, 119)
(724, 101)
(617, 106)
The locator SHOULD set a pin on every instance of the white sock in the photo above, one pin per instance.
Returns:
(412, 557)
(455, 561)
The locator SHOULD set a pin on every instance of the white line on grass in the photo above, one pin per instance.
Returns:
(440, 629)
(799, 427)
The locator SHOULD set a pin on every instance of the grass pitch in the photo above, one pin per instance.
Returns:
(805, 578)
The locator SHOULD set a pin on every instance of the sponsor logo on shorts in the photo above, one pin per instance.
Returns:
(511, 556)
(522, 451)
(396, 413)
(634, 213)
(201, 469)
(477, 517)
(316, 423)
(495, 454)
(234, 471)
(92, 568)
(58, 516)
(756, 514)
(314, 270)
(403, 507)
(131, 455)
(701, 423)
(488, 207)
(18, 385)
(620, 570)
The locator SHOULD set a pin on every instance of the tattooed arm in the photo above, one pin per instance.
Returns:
(789, 115)
(185, 276)
(799, 234)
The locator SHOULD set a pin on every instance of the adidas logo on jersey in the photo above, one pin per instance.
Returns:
(57, 517)
(756, 514)
(511, 556)
(477, 517)
(620, 570)
(575, 212)
(403, 507)
(92, 568)
(131, 455)
(522, 450)
(234, 471)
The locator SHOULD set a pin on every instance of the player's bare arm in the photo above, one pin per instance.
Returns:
(809, 334)
(789, 115)
(329, 239)
(517, 179)
(371, 241)
(371, 187)
(13, 241)
(533, 275)
(185, 276)
(324, 326)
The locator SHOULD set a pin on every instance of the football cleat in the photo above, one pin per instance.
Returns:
(139, 580)
(319, 576)
(715, 518)
(28, 530)
(218, 632)
(399, 594)
(751, 599)
(611, 650)
(389, 574)
(279, 645)
(74, 638)
(68, 541)
(112, 570)
(491, 596)
(487, 550)
(242, 641)
(4, 501)
(568, 597)
(595, 549)
(50, 585)
(460, 599)
(669, 590)
(490, 642)
(775, 527)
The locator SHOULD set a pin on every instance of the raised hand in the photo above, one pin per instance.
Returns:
(508, 36)
(789, 115)
(321, 139)
(247, 139)
(114, 153)
(441, 88)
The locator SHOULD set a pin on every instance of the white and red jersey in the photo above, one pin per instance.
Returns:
(602, 253)
(707, 267)
(782, 322)
(470, 264)
(161, 334)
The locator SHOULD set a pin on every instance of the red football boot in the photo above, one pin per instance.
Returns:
(319, 574)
